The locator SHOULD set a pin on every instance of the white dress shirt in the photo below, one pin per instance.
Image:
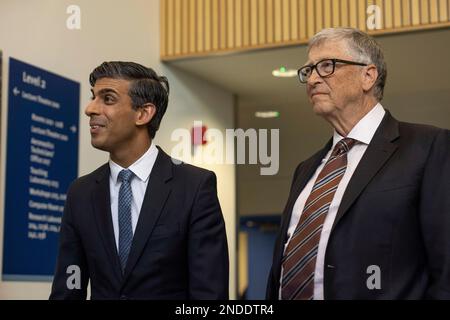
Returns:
(363, 133)
(141, 169)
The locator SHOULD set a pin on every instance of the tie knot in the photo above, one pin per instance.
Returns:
(343, 146)
(125, 175)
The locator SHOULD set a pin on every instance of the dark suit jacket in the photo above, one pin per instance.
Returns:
(179, 249)
(395, 214)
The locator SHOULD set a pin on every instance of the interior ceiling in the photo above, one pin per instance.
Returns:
(250, 74)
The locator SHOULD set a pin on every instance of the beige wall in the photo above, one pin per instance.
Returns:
(35, 32)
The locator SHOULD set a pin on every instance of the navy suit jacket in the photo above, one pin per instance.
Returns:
(395, 215)
(179, 248)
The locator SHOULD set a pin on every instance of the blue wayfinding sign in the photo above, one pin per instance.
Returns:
(42, 161)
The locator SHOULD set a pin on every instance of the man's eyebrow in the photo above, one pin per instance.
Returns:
(309, 62)
(104, 91)
(306, 64)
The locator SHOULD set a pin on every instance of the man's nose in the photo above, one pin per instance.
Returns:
(314, 78)
(92, 109)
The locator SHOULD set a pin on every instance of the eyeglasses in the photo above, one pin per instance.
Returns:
(324, 68)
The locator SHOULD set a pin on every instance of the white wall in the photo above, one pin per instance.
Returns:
(35, 32)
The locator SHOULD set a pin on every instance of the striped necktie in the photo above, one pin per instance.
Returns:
(299, 258)
(125, 226)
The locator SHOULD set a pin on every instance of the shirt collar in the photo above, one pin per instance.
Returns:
(141, 167)
(364, 130)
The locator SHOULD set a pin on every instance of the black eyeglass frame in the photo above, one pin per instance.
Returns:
(314, 66)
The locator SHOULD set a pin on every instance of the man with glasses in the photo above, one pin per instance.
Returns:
(368, 216)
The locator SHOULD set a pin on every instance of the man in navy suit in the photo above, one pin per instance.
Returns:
(140, 226)
(368, 216)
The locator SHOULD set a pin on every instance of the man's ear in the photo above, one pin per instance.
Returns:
(369, 76)
(145, 113)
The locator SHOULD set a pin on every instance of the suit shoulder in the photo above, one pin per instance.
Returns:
(423, 138)
(182, 169)
(192, 172)
(87, 180)
(423, 131)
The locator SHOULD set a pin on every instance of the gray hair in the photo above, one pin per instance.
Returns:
(361, 46)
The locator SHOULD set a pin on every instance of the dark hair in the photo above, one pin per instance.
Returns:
(146, 87)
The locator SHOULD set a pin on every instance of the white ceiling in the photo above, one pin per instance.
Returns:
(250, 73)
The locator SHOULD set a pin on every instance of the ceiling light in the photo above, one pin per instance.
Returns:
(267, 114)
(283, 72)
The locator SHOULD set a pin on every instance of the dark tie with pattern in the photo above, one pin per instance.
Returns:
(299, 258)
(125, 226)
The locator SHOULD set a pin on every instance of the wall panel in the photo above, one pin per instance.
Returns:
(202, 27)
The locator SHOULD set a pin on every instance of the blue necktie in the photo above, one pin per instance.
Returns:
(125, 226)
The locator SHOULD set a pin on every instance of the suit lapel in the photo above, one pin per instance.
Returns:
(380, 149)
(158, 190)
(102, 211)
(305, 173)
